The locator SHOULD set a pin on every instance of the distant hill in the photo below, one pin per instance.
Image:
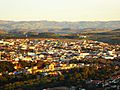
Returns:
(60, 27)
(109, 36)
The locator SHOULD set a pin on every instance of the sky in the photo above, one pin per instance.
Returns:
(60, 10)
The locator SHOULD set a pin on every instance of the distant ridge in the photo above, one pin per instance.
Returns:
(38, 25)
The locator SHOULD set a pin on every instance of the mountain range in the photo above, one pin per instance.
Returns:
(53, 26)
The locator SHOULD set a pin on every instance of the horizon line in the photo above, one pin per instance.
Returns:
(59, 20)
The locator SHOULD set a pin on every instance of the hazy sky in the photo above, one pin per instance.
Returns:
(60, 10)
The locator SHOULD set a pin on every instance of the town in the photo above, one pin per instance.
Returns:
(95, 63)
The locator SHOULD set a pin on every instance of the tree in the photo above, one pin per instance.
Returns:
(24, 64)
(6, 66)
(41, 64)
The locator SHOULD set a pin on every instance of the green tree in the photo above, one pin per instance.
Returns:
(6, 66)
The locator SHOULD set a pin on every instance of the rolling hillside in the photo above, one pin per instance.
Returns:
(51, 26)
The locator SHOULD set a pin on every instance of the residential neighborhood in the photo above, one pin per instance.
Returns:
(54, 56)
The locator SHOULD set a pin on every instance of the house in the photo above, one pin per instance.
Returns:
(0, 74)
(41, 56)
(83, 54)
(107, 57)
(27, 59)
(35, 67)
(1, 41)
(30, 70)
(18, 66)
(32, 47)
(31, 54)
(24, 47)
(52, 66)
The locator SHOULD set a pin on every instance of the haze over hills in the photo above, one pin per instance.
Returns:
(51, 25)
(106, 31)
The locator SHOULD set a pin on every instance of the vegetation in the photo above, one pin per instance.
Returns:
(76, 76)
(6, 67)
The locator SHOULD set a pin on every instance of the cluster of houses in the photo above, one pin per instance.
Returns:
(57, 52)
